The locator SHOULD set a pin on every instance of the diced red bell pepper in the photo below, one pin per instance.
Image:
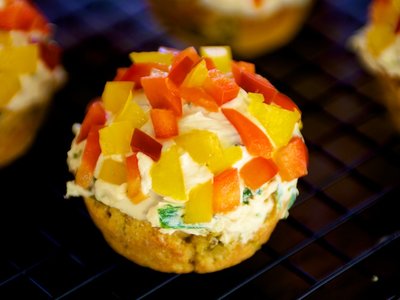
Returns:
(226, 191)
(142, 142)
(239, 66)
(254, 139)
(95, 116)
(284, 101)
(198, 96)
(222, 88)
(138, 70)
(255, 83)
(258, 171)
(209, 63)
(119, 74)
(292, 159)
(162, 93)
(134, 189)
(21, 15)
(182, 63)
(91, 153)
(164, 122)
(51, 54)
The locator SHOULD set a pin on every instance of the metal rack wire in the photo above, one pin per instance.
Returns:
(341, 238)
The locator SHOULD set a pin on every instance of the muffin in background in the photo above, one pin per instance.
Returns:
(29, 75)
(377, 45)
(250, 27)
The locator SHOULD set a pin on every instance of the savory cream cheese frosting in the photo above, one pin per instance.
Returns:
(388, 61)
(166, 213)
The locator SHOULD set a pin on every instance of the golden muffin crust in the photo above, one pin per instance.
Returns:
(178, 252)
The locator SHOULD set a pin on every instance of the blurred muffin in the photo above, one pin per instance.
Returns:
(250, 27)
(29, 75)
(378, 47)
(188, 161)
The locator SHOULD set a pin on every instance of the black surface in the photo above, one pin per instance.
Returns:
(342, 236)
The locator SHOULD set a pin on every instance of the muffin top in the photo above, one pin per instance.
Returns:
(190, 142)
(378, 42)
(252, 7)
(29, 59)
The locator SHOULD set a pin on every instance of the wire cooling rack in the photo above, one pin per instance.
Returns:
(341, 238)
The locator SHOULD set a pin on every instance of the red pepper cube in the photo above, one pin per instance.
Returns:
(258, 171)
(222, 88)
(255, 83)
(96, 115)
(142, 142)
(162, 93)
(292, 159)
(165, 123)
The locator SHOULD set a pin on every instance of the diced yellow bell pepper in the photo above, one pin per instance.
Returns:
(21, 59)
(116, 138)
(197, 75)
(9, 86)
(379, 37)
(132, 113)
(113, 171)
(115, 94)
(5, 38)
(198, 209)
(202, 145)
(221, 56)
(228, 157)
(205, 148)
(151, 57)
(167, 176)
(278, 122)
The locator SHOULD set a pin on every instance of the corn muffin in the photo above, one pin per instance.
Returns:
(188, 160)
(29, 74)
(250, 27)
(377, 45)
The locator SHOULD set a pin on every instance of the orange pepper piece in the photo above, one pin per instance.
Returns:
(162, 93)
(182, 63)
(134, 189)
(226, 191)
(254, 139)
(198, 96)
(91, 153)
(258, 171)
(164, 122)
(292, 159)
(222, 88)
(96, 115)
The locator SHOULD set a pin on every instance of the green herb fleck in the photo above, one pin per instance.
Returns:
(171, 217)
(247, 195)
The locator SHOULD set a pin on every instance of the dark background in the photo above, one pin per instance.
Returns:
(341, 238)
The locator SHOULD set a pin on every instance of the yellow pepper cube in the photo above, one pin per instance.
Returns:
(116, 138)
(228, 157)
(278, 122)
(115, 94)
(167, 176)
(202, 145)
(221, 56)
(21, 59)
(113, 171)
(379, 37)
(198, 209)
(132, 113)
(5, 38)
(197, 75)
(10, 85)
(151, 56)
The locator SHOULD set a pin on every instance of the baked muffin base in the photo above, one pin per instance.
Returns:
(176, 253)
(18, 130)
